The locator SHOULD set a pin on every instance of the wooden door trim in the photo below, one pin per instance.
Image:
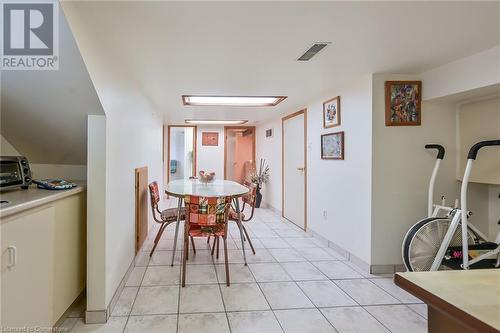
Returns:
(195, 155)
(300, 112)
(226, 128)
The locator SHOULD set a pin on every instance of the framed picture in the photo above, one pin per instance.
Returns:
(331, 112)
(209, 138)
(332, 146)
(403, 101)
(269, 133)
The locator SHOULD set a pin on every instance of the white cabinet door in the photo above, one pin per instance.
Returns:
(27, 287)
(294, 173)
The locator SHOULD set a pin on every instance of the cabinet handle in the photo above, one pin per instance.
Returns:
(12, 256)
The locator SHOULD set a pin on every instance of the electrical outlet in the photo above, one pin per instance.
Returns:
(325, 214)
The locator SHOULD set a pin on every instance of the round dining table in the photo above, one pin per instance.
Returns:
(217, 188)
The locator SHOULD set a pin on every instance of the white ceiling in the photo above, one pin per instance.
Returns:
(249, 48)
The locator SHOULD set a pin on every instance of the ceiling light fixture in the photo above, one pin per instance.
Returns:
(199, 100)
(215, 122)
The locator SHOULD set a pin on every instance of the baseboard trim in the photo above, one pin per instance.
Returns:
(102, 316)
(120, 287)
(96, 317)
(272, 208)
(363, 265)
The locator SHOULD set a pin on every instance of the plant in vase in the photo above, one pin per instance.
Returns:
(260, 177)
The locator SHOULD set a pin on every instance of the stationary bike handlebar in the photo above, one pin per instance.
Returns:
(474, 149)
(471, 157)
(439, 148)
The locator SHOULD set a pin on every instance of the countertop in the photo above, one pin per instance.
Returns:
(20, 200)
(471, 297)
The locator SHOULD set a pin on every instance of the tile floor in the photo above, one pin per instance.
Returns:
(293, 284)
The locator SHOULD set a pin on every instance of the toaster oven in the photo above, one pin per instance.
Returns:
(14, 172)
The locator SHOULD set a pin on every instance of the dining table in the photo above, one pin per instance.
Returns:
(179, 188)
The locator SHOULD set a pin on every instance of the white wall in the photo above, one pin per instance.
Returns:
(44, 113)
(476, 71)
(96, 213)
(211, 158)
(478, 121)
(341, 188)
(6, 149)
(494, 211)
(43, 171)
(270, 150)
(64, 171)
(133, 139)
(401, 170)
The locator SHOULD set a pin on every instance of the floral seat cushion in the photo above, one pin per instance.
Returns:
(170, 214)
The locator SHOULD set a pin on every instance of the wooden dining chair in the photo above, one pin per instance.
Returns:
(205, 217)
(164, 217)
(248, 199)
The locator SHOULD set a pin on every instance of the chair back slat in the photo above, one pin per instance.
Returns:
(206, 210)
(209, 215)
(249, 198)
(154, 194)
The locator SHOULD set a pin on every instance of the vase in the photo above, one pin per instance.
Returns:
(258, 197)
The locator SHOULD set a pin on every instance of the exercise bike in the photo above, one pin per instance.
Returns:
(437, 241)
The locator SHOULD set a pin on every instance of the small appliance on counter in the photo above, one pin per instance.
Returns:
(14, 172)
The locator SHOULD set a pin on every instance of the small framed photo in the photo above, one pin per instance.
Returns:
(331, 112)
(209, 138)
(332, 146)
(403, 101)
(269, 133)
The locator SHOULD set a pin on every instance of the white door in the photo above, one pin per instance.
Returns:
(294, 172)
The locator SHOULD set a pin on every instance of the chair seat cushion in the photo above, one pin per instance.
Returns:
(196, 230)
(234, 216)
(170, 214)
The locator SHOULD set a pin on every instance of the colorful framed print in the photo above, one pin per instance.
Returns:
(331, 112)
(332, 146)
(403, 101)
(209, 138)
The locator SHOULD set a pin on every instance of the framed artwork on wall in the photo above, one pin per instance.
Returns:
(332, 146)
(269, 133)
(331, 112)
(403, 101)
(209, 138)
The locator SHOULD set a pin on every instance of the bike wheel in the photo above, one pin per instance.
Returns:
(423, 240)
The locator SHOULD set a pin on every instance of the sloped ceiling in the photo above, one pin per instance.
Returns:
(44, 113)
(249, 48)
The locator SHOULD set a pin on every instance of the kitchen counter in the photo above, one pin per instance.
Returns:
(20, 200)
(458, 301)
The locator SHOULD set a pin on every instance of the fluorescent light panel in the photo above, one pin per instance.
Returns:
(232, 100)
(215, 122)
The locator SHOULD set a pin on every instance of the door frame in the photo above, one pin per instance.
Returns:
(300, 112)
(226, 128)
(195, 154)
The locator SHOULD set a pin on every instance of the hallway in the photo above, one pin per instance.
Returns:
(293, 284)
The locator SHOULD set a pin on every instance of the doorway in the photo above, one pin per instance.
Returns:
(293, 164)
(181, 157)
(239, 152)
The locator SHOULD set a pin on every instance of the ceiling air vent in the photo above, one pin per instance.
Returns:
(313, 50)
